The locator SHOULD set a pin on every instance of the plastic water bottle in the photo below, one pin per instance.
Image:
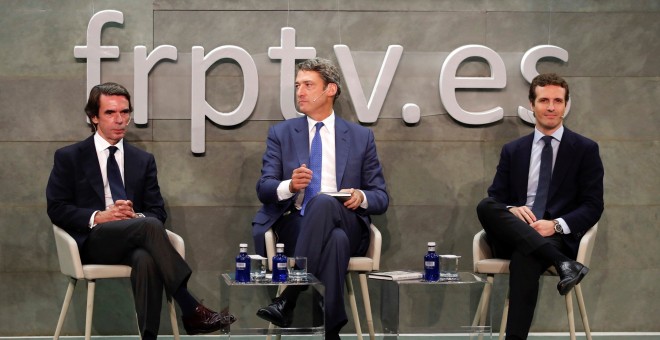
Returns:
(242, 264)
(280, 266)
(431, 264)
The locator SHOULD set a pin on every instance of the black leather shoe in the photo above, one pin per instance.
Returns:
(570, 274)
(204, 320)
(279, 313)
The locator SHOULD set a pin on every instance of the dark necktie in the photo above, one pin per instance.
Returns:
(316, 165)
(545, 173)
(114, 177)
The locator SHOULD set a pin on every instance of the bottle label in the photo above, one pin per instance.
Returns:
(429, 264)
(281, 265)
(240, 265)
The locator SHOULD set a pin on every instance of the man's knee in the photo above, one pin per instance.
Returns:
(152, 225)
(484, 208)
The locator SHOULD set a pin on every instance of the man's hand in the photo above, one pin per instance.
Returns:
(355, 200)
(544, 227)
(121, 210)
(523, 213)
(300, 178)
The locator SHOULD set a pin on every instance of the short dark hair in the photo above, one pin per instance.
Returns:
(326, 69)
(94, 100)
(546, 79)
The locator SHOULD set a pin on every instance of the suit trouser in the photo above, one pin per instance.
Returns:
(142, 244)
(511, 238)
(328, 235)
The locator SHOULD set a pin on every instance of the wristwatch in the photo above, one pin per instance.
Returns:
(558, 228)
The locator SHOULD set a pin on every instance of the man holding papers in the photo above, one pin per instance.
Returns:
(304, 156)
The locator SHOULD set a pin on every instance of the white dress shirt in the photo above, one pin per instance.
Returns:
(328, 170)
(535, 167)
(102, 154)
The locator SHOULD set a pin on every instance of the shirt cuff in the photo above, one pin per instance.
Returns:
(283, 192)
(91, 220)
(365, 203)
(564, 225)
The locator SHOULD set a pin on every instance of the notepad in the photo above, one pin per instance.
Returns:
(342, 196)
(397, 275)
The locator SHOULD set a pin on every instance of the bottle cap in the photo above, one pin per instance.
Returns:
(280, 245)
(431, 244)
(243, 245)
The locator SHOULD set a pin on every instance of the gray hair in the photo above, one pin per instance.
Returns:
(326, 69)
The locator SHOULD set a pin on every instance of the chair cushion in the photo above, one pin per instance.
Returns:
(101, 271)
(492, 266)
(360, 264)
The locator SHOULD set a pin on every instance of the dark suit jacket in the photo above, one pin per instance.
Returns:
(287, 148)
(75, 186)
(576, 187)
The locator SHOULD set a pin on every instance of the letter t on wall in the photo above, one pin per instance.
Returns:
(288, 53)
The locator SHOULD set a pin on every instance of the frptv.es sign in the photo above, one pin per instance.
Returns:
(288, 53)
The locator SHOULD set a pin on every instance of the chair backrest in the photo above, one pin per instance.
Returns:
(587, 245)
(269, 238)
(67, 254)
(375, 246)
(480, 249)
(177, 243)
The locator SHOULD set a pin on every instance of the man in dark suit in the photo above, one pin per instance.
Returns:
(547, 192)
(307, 155)
(104, 192)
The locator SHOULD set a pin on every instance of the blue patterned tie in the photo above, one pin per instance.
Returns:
(316, 165)
(114, 177)
(545, 173)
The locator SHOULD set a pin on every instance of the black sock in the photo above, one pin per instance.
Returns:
(186, 301)
(291, 294)
(550, 255)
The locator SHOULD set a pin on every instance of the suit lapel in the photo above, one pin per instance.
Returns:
(300, 136)
(563, 161)
(522, 159)
(130, 170)
(342, 145)
(91, 167)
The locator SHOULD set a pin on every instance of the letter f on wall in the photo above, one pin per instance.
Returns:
(93, 51)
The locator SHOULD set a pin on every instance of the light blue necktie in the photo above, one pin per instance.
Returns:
(545, 174)
(114, 177)
(316, 165)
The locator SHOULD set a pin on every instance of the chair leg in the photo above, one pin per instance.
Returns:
(175, 325)
(484, 301)
(583, 310)
(364, 286)
(91, 286)
(354, 311)
(569, 313)
(505, 315)
(482, 308)
(65, 307)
